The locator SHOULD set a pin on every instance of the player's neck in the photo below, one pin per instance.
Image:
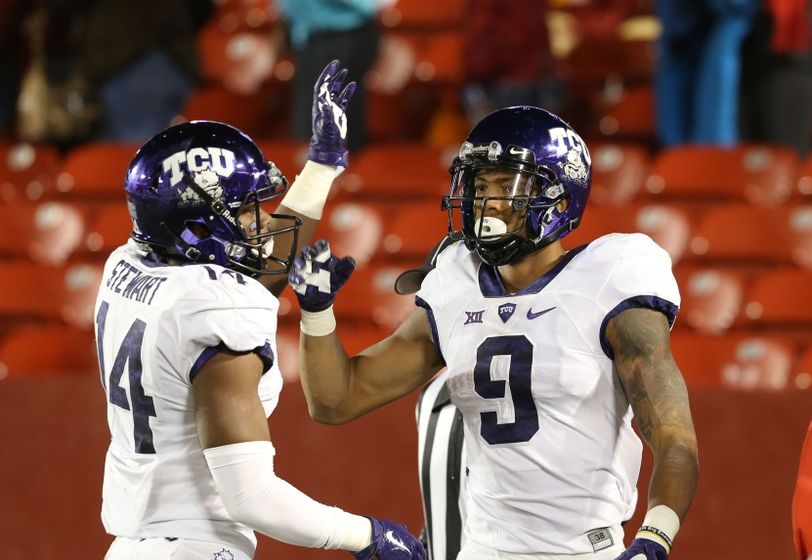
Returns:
(521, 274)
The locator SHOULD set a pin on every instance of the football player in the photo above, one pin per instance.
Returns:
(187, 348)
(550, 354)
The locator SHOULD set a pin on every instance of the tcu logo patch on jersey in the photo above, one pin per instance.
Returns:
(219, 161)
(506, 311)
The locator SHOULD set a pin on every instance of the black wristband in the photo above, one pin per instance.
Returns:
(659, 533)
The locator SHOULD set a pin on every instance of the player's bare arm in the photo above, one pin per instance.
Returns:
(340, 388)
(227, 405)
(658, 395)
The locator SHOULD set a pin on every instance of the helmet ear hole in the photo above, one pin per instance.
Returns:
(199, 230)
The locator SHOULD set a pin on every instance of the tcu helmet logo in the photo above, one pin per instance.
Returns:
(197, 160)
(577, 155)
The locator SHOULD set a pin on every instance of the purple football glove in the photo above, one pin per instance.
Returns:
(328, 144)
(644, 549)
(317, 275)
(391, 541)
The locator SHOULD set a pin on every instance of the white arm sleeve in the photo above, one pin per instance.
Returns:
(254, 496)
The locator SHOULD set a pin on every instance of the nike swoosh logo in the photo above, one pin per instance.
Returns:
(390, 536)
(531, 315)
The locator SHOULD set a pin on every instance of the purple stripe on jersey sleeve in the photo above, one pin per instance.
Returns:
(648, 302)
(206, 355)
(420, 302)
(264, 352)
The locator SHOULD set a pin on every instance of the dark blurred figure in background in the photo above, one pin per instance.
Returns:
(11, 60)
(54, 101)
(699, 68)
(141, 56)
(320, 31)
(506, 57)
(776, 92)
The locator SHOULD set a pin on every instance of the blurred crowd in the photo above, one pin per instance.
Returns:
(720, 71)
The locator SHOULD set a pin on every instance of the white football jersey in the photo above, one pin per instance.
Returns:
(156, 325)
(553, 460)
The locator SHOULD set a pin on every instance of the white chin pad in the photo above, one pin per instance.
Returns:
(267, 248)
(491, 227)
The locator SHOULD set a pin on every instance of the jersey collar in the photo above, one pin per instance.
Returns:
(490, 283)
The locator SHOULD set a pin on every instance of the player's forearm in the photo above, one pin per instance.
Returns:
(305, 199)
(675, 474)
(326, 377)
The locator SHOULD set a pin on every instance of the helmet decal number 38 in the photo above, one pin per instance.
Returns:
(504, 367)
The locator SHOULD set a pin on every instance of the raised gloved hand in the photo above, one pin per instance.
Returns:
(644, 549)
(328, 145)
(317, 275)
(391, 541)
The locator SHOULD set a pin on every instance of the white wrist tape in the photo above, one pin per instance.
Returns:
(254, 496)
(310, 189)
(318, 323)
(660, 525)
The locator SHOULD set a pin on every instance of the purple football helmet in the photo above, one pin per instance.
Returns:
(188, 185)
(549, 163)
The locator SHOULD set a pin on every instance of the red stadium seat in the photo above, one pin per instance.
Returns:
(434, 58)
(50, 350)
(401, 169)
(631, 116)
(38, 293)
(802, 501)
(759, 174)
(781, 298)
(802, 375)
(369, 298)
(398, 116)
(743, 233)
(668, 226)
(27, 171)
(246, 112)
(110, 228)
(47, 233)
(96, 170)
(803, 192)
(594, 60)
(711, 298)
(618, 172)
(439, 59)
(288, 155)
(353, 229)
(741, 361)
(423, 14)
(414, 230)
